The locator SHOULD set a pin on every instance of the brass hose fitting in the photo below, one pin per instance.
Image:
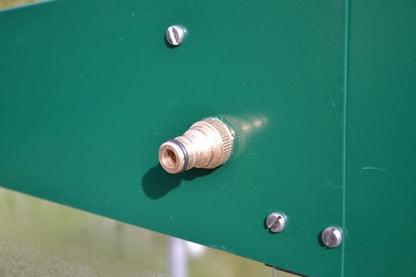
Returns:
(207, 144)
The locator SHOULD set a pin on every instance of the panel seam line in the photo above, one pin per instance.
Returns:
(344, 129)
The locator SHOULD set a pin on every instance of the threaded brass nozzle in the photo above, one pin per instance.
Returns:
(207, 144)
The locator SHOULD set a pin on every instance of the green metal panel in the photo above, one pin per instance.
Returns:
(381, 137)
(89, 90)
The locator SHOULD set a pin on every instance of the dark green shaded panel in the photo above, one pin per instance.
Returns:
(89, 91)
(381, 153)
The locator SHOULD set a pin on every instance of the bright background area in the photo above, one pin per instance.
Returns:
(41, 238)
(12, 3)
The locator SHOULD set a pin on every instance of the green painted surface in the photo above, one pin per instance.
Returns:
(381, 139)
(89, 90)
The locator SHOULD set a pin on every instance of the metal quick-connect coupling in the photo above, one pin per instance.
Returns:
(207, 144)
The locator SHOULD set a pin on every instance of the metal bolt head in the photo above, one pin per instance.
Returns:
(175, 35)
(331, 237)
(276, 222)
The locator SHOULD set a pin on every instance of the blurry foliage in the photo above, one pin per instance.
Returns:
(12, 3)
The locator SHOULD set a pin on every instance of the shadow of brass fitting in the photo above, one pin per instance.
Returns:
(207, 144)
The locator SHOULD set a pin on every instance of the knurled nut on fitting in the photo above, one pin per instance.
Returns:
(226, 138)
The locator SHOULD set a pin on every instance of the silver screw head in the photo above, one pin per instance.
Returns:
(276, 222)
(175, 35)
(331, 237)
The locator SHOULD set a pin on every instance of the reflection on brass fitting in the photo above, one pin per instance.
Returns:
(207, 144)
(244, 127)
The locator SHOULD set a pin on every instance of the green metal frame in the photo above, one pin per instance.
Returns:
(89, 90)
